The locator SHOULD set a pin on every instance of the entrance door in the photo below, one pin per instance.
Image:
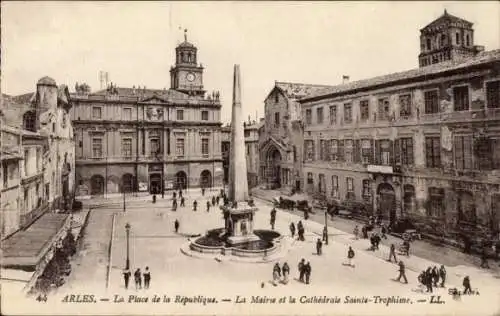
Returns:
(387, 202)
(96, 185)
(155, 184)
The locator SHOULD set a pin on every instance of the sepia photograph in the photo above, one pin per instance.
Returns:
(250, 158)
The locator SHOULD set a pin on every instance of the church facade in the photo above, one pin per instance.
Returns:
(138, 139)
(422, 144)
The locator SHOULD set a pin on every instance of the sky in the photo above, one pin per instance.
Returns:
(306, 42)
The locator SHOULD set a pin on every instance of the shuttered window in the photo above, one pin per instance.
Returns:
(463, 152)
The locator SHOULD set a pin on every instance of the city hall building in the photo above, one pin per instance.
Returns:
(130, 139)
(422, 144)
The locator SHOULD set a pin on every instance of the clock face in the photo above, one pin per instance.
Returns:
(190, 76)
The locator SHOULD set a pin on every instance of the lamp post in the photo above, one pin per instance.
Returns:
(127, 261)
(326, 226)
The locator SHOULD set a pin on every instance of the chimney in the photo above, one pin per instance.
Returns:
(345, 79)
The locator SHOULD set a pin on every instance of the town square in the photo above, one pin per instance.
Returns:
(225, 190)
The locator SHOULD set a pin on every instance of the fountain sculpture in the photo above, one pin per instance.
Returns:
(238, 237)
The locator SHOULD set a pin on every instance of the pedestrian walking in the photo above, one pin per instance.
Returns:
(350, 257)
(176, 226)
(300, 229)
(392, 254)
(302, 263)
(276, 273)
(138, 279)
(292, 229)
(286, 271)
(273, 218)
(174, 195)
(202, 191)
(195, 204)
(484, 258)
(147, 278)
(154, 198)
(180, 193)
(435, 276)
(466, 284)
(442, 274)
(325, 233)
(208, 206)
(428, 280)
(383, 230)
(217, 199)
(174, 203)
(182, 202)
(307, 272)
(402, 272)
(126, 277)
(319, 245)
(213, 200)
(356, 232)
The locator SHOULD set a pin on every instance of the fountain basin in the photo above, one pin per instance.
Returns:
(265, 243)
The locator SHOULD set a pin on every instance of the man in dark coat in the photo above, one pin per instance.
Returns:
(176, 226)
(208, 206)
(292, 229)
(301, 270)
(402, 272)
(138, 279)
(213, 200)
(307, 271)
(442, 274)
(392, 253)
(182, 202)
(428, 279)
(435, 276)
(273, 218)
(147, 278)
(217, 199)
(319, 245)
(466, 284)
(195, 204)
(202, 191)
(126, 277)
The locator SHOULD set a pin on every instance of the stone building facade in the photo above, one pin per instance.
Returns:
(138, 139)
(251, 134)
(422, 144)
(38, 166)
(281, 136)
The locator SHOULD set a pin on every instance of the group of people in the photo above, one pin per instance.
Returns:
(300, 231)
(430, 277)
(280, 274)
(138, 278)
(304, 271)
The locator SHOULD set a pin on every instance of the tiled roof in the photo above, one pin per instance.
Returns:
(145, 93)
(22, 98)
(481, 58)
(298, 90)
(25, 247)
(446, 17)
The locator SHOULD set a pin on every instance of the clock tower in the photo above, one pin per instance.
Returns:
(187, 75)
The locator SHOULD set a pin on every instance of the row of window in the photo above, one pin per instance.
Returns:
(442, 40)
(154, 145)
(461, 102)
(482, 154)
(127, 114)
(366, 192)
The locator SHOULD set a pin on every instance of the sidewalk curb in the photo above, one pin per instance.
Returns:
(110, 261)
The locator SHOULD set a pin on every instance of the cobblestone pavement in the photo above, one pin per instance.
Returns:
(154, 243)
(421, 248)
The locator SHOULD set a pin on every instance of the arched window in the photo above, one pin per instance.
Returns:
(428, 44)
(29, 121)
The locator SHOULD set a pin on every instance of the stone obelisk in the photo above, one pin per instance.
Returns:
(238, 184)
(238, 213)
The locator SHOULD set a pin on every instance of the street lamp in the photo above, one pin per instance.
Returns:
(326, 226)
(127, 261)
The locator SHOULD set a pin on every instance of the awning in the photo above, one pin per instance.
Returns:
(25, 249)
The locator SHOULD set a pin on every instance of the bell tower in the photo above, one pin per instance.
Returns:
(447, 38)
(187, 75)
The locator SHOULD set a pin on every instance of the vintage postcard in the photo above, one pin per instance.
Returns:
(250, 158)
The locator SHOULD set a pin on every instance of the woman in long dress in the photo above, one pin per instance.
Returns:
(276, 273)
